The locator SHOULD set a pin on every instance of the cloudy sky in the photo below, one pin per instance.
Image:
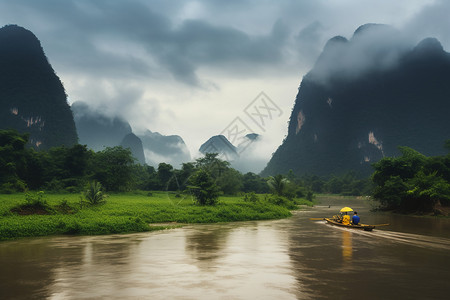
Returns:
(192, 68)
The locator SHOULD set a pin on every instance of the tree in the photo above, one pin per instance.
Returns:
(230, 181)
(277, 184)
(254, 183)
(203, 188)
(66, 167)
(412, 182)
(391, 193)
(334, 185)
(181, 177)
(113, 167)
(77, 159)
(165, 173)
(13, 163)
(313, 182)
(141, 176)
(153, 182)
(211, 163)
(37, 173)
(94, 194)
(427, 190)
(405, 166)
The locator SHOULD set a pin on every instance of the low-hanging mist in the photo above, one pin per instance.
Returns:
(365, 97)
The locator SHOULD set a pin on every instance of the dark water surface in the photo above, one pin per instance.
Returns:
(295, 258)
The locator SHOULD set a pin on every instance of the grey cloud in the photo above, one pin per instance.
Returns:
(204, 43)
(372, 47)
(309, 41)
(73, 29)
(181, 50)
(432, 21)
(198, 43)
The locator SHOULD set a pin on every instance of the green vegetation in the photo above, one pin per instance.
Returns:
(76, 179)
(204, 188)
(125, 212)
(94, 194)
(278, 184)
(63, 169)
(413, 182)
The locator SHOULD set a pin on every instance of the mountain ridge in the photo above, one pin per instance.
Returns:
(342, 123)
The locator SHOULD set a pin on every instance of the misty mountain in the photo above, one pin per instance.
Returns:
(96, 129)
(221, 145)
(164, 148)
(32, 97)
(243, 157)
(363, 98)
(134, 143)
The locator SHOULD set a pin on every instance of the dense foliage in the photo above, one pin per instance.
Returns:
(70, 169)
(413, 182)
(204, 188)
(132, 212)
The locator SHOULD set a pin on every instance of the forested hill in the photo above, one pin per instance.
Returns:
(32, 98)
(365, 97)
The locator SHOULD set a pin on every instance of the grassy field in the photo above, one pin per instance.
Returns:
(125, 213)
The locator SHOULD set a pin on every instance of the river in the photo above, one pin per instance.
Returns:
(294, 258)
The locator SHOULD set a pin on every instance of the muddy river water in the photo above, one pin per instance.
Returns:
(294, 258)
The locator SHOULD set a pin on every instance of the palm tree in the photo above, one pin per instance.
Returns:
(94, 194)
(277, 184)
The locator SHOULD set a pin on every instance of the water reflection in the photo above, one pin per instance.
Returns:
(27, 266)
(347, 249)
(294, 258)
(207, 244)
(368, 264)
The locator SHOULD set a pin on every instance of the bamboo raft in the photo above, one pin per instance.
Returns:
(359, 226)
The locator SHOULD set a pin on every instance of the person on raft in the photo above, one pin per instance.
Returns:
(346, 219)
(355, 218)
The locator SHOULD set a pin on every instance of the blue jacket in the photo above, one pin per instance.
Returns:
(355, 219)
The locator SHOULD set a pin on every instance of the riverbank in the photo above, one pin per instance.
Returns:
(125, 213)
(337, 201)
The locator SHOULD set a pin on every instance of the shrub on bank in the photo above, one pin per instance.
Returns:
(125, 213)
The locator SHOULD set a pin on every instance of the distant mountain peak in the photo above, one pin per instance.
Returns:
(164, 148)
(134, 143)
(98, 130)
(371, 27)
(429, 46)
(221, 145)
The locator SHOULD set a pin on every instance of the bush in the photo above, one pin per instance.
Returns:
(7, 188)
(251, 197)
(309, 196)
(282, 201)
(36, 199)
(12, 187)
(34, 204)
(64, 207)
(94, 194)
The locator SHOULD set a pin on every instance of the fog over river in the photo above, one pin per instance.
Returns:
(294, 258)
